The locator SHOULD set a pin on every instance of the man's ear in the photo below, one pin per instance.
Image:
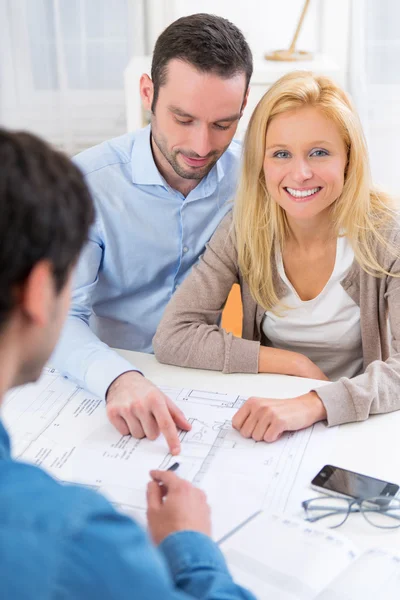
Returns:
(36, 294)
(146, 91)
(246, 97)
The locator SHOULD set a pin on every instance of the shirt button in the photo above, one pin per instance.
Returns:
(185, 249)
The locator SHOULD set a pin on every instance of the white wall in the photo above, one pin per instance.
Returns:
(266, 24)
(61, 67)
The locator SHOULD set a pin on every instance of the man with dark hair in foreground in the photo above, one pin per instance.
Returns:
(66, 541)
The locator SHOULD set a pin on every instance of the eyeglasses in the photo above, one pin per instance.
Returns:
(380, 511)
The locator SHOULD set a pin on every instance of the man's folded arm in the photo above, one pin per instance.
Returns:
(117, 560)
(80, 354)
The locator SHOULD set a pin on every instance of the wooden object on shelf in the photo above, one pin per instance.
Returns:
(292, 54)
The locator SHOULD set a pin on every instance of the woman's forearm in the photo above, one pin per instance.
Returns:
(286, 362)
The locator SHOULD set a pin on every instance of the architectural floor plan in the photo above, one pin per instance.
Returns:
(62, 428)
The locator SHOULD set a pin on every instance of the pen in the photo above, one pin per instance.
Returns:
(173, 467)
(235, 529)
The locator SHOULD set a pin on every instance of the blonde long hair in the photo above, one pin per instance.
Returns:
(260, 223)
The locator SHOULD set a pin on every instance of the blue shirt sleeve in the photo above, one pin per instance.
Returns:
(111, 557)
(80, 354)
(198, 567)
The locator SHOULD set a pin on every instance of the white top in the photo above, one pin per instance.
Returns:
(324, 328)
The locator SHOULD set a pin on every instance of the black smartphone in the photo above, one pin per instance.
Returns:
(348, 484)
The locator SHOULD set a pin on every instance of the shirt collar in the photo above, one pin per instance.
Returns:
(4, 443)
(144, 169)
(210, 182)
(220, 168)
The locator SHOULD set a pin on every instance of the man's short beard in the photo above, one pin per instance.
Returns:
(172, 160)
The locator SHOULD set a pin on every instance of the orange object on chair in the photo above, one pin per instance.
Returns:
(232, 314)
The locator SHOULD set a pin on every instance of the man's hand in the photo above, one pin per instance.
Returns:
(266, 419)
(174, 504)
(137, 406)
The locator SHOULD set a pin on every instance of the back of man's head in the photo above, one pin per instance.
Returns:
(211, 44)
(45, 213)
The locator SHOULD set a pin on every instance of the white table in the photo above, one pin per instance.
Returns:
(372, 447)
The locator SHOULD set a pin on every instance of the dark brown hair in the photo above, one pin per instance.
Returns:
(211, 44)
(45, 212)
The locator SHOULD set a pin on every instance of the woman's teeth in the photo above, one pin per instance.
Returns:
(302, 193)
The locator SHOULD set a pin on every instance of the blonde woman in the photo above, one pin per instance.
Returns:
(316, 251)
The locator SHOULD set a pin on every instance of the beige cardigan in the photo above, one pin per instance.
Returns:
(189, 334)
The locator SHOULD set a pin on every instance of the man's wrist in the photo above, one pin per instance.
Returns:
(114, 385)
(187, 549)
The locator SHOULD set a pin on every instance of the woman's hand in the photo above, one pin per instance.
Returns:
(286, 362)
(267, 418)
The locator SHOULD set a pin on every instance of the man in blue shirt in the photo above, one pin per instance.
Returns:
(67, 542)
(159, 195)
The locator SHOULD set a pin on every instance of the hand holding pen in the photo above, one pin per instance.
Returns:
(175, 505)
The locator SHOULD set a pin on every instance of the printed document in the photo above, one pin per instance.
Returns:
(288, 559)
(64, 429)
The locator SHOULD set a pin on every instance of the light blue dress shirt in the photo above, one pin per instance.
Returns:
(145, 239)
(67, 542)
